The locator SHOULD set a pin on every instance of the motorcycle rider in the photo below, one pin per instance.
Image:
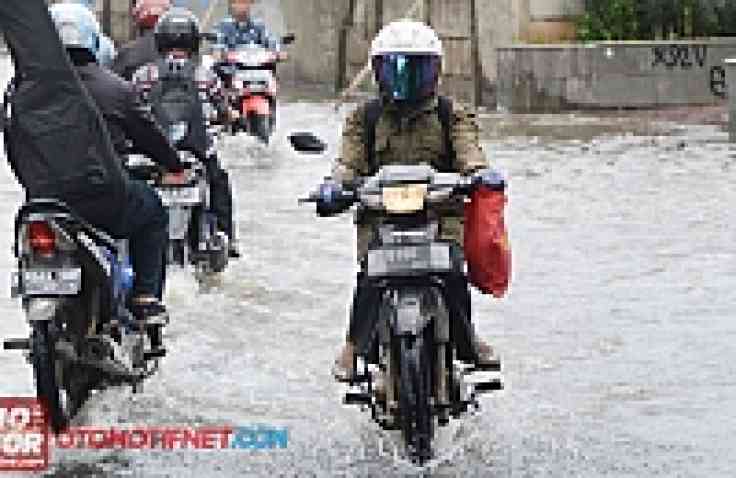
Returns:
(241, 28)
(106, 53)
(144, 221)
(142, 50)
(405, 126)
(177, 39)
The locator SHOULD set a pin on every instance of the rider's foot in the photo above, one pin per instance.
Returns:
(342, 369)
(149, 311)
(233, 251)
(379, 386)
(486, 356)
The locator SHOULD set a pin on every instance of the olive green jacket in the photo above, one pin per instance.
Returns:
(412, 139)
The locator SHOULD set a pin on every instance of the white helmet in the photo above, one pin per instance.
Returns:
(406, 36)
(407, 60)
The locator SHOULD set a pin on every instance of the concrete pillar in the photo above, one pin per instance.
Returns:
(521, 14)
(500, 24)
(731, 80)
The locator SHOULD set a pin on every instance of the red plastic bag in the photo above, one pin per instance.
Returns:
(486, 242)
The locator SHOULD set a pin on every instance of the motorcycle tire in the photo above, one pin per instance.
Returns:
(415, 369)
(260, 127)
(43, 352)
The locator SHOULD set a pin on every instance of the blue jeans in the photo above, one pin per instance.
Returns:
(144, 222)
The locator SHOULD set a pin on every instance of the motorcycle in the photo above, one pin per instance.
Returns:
(249, 87)
(194, 238)
(422, 385)
(74, 281)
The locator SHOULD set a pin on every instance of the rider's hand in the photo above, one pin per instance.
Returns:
(490, 178)
(329, 198)
(174, 178)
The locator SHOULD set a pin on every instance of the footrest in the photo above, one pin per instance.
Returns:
(17, 344)
(486, 367)
(489, 386)
(459, 409)
(357, 398)
(388, 424)
(154, 353)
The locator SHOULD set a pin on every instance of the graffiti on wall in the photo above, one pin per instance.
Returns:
(680, 56)
(687, 57)
(718, 81)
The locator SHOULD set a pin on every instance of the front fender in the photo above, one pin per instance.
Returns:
(415, 309)
(258, 105)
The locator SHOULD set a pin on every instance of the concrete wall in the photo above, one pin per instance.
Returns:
(612, 74)
(500, 22)
(317, 23)
(545, 9)
(549, 31)
(553, 21)
(313, 56)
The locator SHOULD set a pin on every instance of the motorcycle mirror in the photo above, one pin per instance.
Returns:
(288, 39)
(305, 142)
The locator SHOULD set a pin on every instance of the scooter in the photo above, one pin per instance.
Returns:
(250, 88)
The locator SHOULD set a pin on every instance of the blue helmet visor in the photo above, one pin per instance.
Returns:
(407, 78)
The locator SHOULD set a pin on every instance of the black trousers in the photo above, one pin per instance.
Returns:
(221, 196)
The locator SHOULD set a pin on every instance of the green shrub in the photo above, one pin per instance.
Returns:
(652, 19)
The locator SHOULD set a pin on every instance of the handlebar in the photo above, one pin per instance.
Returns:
(441, 187)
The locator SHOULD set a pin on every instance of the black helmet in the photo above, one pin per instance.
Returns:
(177, 28)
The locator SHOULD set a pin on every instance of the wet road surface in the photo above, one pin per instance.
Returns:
(617, 335)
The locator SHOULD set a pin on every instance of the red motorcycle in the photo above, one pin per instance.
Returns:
(249, 88)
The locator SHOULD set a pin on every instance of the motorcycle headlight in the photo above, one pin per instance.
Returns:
(177, 132)
(404, 199)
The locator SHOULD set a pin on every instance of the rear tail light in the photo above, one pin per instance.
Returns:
(41, 238)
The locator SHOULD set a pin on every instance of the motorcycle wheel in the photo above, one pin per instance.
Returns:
(415, 368)
(43, 351)
(260, 127)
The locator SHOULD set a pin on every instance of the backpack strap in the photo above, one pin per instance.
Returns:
(371, 113)
(444, 112)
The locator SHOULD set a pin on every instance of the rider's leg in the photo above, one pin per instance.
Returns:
(222, 201)
(145, 224)
(363, 319)
(469, 346)
(363, 312)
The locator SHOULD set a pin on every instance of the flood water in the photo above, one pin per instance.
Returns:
(617, 335)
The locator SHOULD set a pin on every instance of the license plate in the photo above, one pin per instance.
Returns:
(409, 259)
(179, 196)
(253, 75)
(65, 281)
